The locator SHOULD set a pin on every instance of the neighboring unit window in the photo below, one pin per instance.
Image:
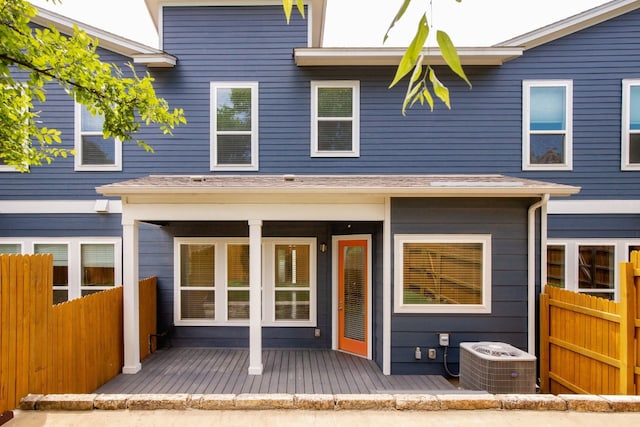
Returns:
(234, 126)
(238, 282)
(81, 265)
(197, 281)
(556, 265)
(10, 248)
(631, 124)
(60, 254)
(443, 273)
(292, 283)
(93, 151)
(97, 267)
(335, 116)
(547, 125)
(587, 266)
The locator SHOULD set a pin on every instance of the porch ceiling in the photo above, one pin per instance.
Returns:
(338, 185)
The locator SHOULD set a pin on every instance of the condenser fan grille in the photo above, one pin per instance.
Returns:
(497, 350)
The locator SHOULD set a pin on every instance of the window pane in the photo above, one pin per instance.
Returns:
(442, 273)
(292, 305)
(10, 248)
(547, 108)
(238, 277)
(546, 149)
(238, 305)
(98, 151)
(555, 265)
(60, 261)
(234, 149)
(196, 304)
(60, 296)
(238, 265)
(596, 267)
(97, 265)
(292, 266)
(634, 108)
(335, 136)
(335, 102)
(197, 266)
(634, 148)
(233, 109)
(88, 122)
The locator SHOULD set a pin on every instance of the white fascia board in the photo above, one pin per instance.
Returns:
(572, 24)
(59, 207)
(156, 60)
(391, 56)
(246, 211)
(593, 207)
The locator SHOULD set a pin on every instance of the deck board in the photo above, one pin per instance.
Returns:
(225, 371)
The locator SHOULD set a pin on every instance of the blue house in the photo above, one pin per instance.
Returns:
(299, 208)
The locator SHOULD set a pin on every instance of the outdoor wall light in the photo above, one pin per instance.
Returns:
(323, 247)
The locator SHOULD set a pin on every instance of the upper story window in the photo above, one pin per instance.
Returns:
(442, 273)
(335, 119)
(93, 151)
(631, 125)
(547, 115)
(234, 126)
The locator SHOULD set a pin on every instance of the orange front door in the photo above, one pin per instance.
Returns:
(353, 296)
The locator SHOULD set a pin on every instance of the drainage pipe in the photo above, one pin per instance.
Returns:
(531, 240)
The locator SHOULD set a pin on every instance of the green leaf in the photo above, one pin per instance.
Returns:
(428, 97)
(411, 55)
(300, 6)
(450, 55)
(411, 93)
(287, 5)
(439, 89)
(401, 11)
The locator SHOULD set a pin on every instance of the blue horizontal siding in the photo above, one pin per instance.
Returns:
(481, 134)
(57, 225)
(594, 226)
(506, 221)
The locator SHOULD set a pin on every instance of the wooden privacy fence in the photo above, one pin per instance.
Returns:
(591, 345)
(73, 347)
(148, 314)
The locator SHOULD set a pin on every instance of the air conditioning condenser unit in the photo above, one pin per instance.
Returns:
(497, 368)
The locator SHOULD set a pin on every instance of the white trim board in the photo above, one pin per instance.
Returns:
(60, 206)
(593, 207)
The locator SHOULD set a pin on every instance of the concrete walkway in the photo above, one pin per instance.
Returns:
(311, 418)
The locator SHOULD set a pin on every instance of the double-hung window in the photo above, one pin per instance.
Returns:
(212, 281)
(547, 114)
(93, 151)
(234, 126)
(631, 124)
(335, 119)
(442, 273)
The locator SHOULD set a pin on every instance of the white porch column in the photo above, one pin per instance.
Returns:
(255, 297)
(131, 297)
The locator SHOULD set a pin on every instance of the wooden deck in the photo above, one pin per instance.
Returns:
(224, 371)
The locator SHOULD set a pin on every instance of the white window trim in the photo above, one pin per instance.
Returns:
(621, 254)
(268, 286)
(355, 118)
(626, 165)
(526, 99)
(254, 165)
(75, 268)
(401, 239)
(78, 166)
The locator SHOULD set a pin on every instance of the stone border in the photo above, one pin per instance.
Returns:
(400, 402)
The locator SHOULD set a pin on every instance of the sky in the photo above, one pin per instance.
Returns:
(358, 23)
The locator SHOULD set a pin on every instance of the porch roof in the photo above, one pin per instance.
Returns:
(387, 185)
